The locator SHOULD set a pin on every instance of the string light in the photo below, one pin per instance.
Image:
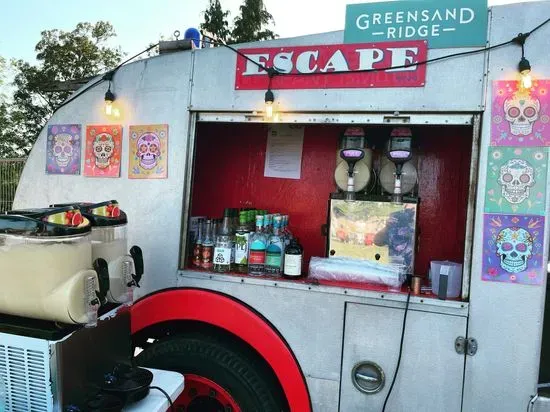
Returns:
(109, 99)
(524, 67)
(269, 98)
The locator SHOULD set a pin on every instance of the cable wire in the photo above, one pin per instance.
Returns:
(400, 352)
(519, 39)
(166, 395)
(106, 77)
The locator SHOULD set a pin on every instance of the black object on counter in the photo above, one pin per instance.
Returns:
(129, 384)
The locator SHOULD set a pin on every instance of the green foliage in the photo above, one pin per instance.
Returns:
(251, 24)
(215, 21)
(61, 56)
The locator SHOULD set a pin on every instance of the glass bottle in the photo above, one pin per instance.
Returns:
(287, 229)
(207, 247)
(223, 250)
(242, 237)
(268, 224)
(275, 249)
(257, 245)
(197, 248)
(293, 260)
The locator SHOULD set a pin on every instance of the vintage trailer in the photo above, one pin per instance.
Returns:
(258, 343)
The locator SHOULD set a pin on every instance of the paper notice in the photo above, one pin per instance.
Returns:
(283, 157)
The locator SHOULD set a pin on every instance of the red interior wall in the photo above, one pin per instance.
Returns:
(229, 167)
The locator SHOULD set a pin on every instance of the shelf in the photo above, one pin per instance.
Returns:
(359, 290)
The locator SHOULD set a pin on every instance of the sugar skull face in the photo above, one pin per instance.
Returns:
(104, 147)
(148, 150)
(521, 112)
(516, 178)
(514, 247)
(62, 149)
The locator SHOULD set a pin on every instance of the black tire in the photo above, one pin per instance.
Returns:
(232, 367)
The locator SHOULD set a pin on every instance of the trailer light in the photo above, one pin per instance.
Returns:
(269, 99)
(525, 72)
(109, 99)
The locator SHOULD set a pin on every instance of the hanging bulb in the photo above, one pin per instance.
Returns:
(269, 99)
(525, 72)
(109, 99)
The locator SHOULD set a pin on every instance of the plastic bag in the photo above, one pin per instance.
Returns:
(358, 271)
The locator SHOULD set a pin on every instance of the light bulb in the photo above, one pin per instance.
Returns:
(108, 108)
(269, 109)
(526, 80)
(116, 112)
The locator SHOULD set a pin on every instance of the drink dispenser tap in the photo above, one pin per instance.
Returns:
(399, 151)
(109, 242)
(102, 270)
(137, 255)
(351, 156)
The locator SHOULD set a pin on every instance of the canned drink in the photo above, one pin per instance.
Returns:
(416, 284)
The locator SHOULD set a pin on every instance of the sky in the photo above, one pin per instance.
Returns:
(139, 23)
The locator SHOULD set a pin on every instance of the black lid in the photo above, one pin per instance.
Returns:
(48, 222)
(105, 213)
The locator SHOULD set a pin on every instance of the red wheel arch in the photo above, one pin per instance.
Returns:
(235, 317)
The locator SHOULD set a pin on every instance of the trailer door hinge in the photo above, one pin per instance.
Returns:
(466, 346)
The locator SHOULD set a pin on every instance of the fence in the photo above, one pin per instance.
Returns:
(10, 171)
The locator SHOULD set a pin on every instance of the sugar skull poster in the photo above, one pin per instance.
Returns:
(520, 117)
(103, 151)
(148, 152)
(516, 180)
(512, 249)
(63, 149)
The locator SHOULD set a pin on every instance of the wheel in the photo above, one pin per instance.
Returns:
(220, 376)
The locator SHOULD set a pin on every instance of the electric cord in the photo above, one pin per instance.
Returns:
(400, 351)
(519, 39)
(166, 395)
(106, 77)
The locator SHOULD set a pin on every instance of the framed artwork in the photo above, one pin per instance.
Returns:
(103, 151)
(148, 152)
(513, 249)
(63, 149)
(516, 180)
(520, 117)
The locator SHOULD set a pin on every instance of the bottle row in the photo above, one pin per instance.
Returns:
(247, 241)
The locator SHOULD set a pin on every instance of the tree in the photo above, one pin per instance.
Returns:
(61, 56)
(215, 21)
(251, 24)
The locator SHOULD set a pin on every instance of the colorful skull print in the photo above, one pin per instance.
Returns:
(514, 247)
(148, 150)
(516, 178)
(521, 112)
(62, 149)
(104, 146)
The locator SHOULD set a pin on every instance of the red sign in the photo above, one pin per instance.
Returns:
(310, 67)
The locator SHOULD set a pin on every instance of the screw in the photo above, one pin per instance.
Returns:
(228, 408)
(212, 393)
(192, 392)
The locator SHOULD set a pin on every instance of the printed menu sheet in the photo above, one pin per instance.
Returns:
(283, 158)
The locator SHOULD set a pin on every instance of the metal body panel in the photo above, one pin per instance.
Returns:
(506, 319)
(326, 394)
(215, 90)
(151, 91)
(431, 371)
(311, 319)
